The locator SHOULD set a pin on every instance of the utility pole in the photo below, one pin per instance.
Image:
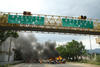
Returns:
(9, 49)
(90, 42)
(90, 46)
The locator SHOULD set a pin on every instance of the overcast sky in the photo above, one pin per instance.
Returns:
(90, 8)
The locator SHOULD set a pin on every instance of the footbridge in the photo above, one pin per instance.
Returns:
(49, 23)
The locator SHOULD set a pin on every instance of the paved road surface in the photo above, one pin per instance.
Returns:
(55, 65)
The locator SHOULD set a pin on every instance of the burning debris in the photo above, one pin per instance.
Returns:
(57, 60)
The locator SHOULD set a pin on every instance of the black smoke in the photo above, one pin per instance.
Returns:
(31, 50)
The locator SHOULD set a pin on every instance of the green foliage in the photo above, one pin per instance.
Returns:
(72, 50)
(61, 50)
(5, 34)
(3, 18)
(6, 65)
(98, 58)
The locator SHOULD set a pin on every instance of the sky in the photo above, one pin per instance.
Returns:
(90, 8)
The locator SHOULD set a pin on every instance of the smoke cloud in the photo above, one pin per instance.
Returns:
(32, 50)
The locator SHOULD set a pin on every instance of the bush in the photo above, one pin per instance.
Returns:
(98, 58)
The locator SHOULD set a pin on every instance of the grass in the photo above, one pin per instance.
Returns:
(94, 62)
(89, 62)
(6, 65)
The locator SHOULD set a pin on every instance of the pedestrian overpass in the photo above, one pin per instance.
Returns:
(48, 23)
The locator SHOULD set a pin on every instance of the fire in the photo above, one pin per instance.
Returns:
(57, 60)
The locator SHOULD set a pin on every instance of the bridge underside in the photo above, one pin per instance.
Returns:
(18, 27)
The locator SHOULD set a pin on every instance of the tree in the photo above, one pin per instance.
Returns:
(75, 50)
(5, 34)
(72, 50)
(62, 50)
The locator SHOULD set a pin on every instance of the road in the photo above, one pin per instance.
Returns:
(55, 65)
